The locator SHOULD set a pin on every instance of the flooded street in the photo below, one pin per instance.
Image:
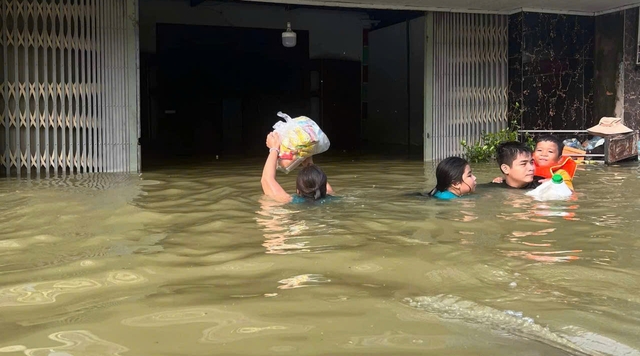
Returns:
(193, 260)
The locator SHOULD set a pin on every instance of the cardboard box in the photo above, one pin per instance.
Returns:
(574, 153)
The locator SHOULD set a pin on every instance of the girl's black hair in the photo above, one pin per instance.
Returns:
(312, 183)
(449, 171)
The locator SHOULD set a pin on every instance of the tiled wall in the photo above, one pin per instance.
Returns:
(551, 70)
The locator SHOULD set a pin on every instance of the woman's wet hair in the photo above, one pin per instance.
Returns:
(449, 171)
(312, 183)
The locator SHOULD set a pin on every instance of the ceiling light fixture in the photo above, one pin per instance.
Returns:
(289, 37)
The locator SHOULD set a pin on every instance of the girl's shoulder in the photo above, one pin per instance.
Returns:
(296, 199)
(446, 195)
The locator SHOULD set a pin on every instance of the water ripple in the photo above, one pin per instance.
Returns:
(75, 343)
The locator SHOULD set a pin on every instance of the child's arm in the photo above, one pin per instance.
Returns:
(270, 186)
(566, 177)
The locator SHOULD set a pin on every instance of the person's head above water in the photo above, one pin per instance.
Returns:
(548, 150)
(311, 183)
(454, 174)
(516, 163)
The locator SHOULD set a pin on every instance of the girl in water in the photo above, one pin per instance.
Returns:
(454, 179)
(311, 183)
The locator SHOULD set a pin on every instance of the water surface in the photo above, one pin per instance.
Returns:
(193, 260)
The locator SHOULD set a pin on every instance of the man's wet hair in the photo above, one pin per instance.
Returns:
(508, 152)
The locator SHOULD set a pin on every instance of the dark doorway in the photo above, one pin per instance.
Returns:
(219, 88)
(336, 85)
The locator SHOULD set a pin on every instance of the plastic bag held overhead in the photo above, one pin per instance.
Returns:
(554, 189)
(301, 138)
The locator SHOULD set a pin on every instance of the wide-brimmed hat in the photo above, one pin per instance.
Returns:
(610, 126)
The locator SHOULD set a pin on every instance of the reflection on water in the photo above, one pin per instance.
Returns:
(303, 280)
(178, 261)
(75, 343)
(47, 292)
(42, 293)
(287, 229)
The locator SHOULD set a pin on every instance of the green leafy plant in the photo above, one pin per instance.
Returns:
(484, 150)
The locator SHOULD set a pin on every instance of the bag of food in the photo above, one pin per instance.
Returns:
(301, 138)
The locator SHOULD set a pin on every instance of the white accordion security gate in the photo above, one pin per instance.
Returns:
(470, 79)
(68, 87)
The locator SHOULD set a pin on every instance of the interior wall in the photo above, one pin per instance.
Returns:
(631, 70)
(609, 73)
(332, 34)
(388, 121)
(617, 79)
(417, 40)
